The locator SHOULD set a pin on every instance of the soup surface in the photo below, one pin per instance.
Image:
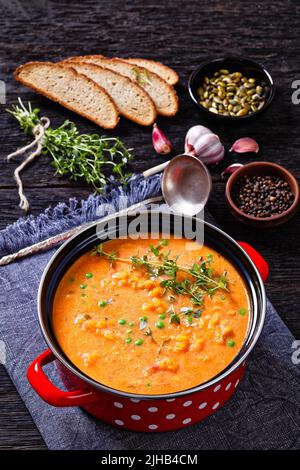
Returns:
(162, 319)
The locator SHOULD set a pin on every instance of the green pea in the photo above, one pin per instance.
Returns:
(83, 286)
(102, 303)
(162, 316)
(144, 318)
(242, 311)
(231, 343)
(128, 340)
(89, 275)
(160, 324)
(131, 323)
(122, 321)
(138, 342)
(129, 332)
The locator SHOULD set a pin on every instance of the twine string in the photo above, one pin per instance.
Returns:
(38, 132)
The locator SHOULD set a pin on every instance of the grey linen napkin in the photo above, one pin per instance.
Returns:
(264, 413)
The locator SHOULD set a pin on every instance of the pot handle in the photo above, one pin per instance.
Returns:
(258, 260)
(48, 392)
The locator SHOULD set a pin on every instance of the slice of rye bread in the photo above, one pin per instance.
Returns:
(163, 95)
(131, 100)
(165, 72)
(71, 89)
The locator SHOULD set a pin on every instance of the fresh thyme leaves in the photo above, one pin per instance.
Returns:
(174, 318)
(156, 250)
(199, 282)
(186, 310)
(27, 118)
(79, 156)
(98, 250)
(141, 76)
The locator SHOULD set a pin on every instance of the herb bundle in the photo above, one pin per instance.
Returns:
(199, 281)
(80, 156)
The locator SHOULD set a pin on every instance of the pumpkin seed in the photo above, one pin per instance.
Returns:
(232, 93)
(242, 112)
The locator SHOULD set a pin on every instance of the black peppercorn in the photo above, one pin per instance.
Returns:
(262, 196)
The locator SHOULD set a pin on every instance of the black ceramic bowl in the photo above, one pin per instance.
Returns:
(247, 67)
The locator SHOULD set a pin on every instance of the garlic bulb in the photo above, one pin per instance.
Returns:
(204, 144)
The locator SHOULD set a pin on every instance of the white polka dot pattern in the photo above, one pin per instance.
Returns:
(217, 388)
(187, 403)
(118, 404)
(186, 421)
(152, 409)
(203, 405)
(171, 399)
(216, 405)
(153, 426)
(170, 416)
(228, 386)
(236, 383)
(119, 422)
(135, 417)
(134, 400)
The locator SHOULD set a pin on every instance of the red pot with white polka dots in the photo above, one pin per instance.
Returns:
(137, 412)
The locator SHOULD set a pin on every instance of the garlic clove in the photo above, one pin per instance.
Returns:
(231, 169)
(217, 153)
(161, 143)
(202, 146)
(245, 145)
(193, 134)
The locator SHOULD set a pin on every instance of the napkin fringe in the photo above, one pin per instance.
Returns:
(29, 230)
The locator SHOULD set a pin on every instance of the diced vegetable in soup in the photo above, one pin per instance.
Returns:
(149, 316)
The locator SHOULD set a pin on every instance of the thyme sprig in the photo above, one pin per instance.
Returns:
(200, 278)
(79, 156)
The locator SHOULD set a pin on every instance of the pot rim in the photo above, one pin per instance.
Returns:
(237, 361)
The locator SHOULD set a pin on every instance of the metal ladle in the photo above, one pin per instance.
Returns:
(186, 183)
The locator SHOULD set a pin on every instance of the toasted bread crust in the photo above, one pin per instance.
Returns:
(163, 84)
(109, 63)
(126, 83)
(43, 91)
(154, 66)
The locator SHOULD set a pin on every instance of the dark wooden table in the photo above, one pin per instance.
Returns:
(181, 34)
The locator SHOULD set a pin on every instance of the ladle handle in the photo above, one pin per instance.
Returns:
(155, 169)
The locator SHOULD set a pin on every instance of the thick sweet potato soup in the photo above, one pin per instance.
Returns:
(148, 316)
